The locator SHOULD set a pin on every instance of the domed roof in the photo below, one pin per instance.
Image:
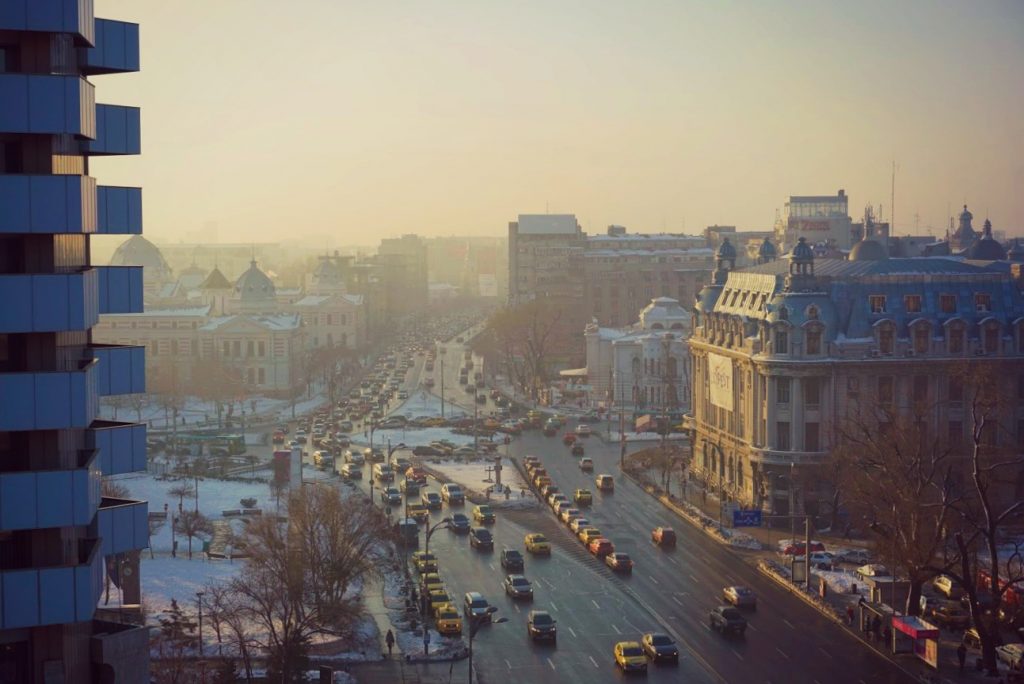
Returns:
(664, 313)
(138, 251)
(767, 249)
(987, 248)
(215, 281)
(869, 249)
(1016, 252)
(726, 250)
(802, 251)
(254, 285)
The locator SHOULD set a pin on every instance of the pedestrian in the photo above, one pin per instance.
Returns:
(390, 641)
(508, 492)
(849, 615)
(876, 626)
(522, 493)
(961, 655)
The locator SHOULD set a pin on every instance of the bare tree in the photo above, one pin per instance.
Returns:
(524, 338)
(110, 489)
(155, 525)
(183, 490)
(193, 524)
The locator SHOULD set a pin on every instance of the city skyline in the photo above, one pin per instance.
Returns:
(666, 117)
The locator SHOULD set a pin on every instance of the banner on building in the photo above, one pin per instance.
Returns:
(720, 380)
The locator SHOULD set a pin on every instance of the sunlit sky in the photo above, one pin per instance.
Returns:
(348, 121)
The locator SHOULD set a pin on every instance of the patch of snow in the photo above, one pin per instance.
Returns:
(474, 479)
(616, 436)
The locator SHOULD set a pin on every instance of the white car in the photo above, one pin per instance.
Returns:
(1011, 654)
(583, 430)
(822, 560)
(872, 570)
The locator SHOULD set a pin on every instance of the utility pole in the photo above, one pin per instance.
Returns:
(442, 384)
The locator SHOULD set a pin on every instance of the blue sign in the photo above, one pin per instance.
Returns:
(746, 518)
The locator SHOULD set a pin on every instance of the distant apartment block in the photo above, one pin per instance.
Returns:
(58, 533)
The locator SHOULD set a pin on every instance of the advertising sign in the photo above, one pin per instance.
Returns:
(742, 518)
(720, 380)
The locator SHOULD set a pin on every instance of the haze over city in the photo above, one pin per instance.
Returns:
(347, 122)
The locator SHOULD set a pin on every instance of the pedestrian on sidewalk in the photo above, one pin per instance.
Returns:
(390, 641)
(849, 615)
(961, 655)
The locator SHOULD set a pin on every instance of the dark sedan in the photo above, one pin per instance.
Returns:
(660, 647)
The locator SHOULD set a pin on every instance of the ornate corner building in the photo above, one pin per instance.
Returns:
(58, 534)
(783, 350)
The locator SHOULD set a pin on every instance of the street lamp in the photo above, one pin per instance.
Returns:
(444, 523)
(199, 596)
(391, 450)
(475, 622)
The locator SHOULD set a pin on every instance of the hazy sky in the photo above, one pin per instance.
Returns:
(347, 121)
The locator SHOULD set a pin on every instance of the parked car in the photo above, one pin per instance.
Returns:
(949, 614)
(855, 556)
(797, 548)
(600, 547)
(727, 620)
(567, 514)
(872, 570)
(427, 450)
(740, 597)
(619, 562)
(1011, 654)
(822, 560)
(944, 585)
(663, 536)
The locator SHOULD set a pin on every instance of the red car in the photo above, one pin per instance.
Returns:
(416, 474)
(601, 547)
(797, 549)
(663, 536)
(569, 439)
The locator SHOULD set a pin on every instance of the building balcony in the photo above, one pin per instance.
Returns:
(40, 499)
(120, 289)
(48, 400)
(49, 302)
(121, 446)
(777, 457)
(121, 369)
(47, 204)
(118, 131)
(116, 49)
(119, 210)
(49, 16)
(121, 525)
(120, 650)
(35, 597)
(45, 103)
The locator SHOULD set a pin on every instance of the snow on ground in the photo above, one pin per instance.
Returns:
(164, 578)
(839, 581)
(615, 436)
(408, 629)
(473, 478)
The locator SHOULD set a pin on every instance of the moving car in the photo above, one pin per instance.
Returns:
(432, 500)
(727, 620)
(583, 430)
(630, 657)
(352, 471)
(540, 626)
(383, 472)
(537, 544)
(354, 457)
(663, 536)
(518, 587)
(577, 449)
(475, 607)
(448, 622)
(739, 596)
(511, 559)
(419, 512)
(872, 570)
(587, 464)
(459, 524)
(619, 562)
(480, 538)
(409, 487)
(483, 514)
(390, 496)
(659, 647)
(605, 483)
(583, 497)
(417, 474)
(452, 493)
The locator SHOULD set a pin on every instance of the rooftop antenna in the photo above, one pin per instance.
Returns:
(892, 201)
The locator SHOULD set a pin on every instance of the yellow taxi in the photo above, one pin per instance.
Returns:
(630, 657)
(424, 562)
(541, 480)
(538, 544)
(589, 534)
(583, 497)
(431, 581)
(448, 622)
(419, 512)
(438, 599)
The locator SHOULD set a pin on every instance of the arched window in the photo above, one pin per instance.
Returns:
(783, 313)
(636, 366)
(657, 326)
(781, 341)
(921, 333)
(955, 338)
(885, 336)
(812, 339)
(812, 313)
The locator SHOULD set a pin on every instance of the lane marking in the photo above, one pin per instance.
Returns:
(551, 664)
(676, 599)
(595, 604)
(518, 609)
(653, 580)
(672, 560)
(571, 631)
(788, 623)
(782, 653)
(508, 665)
(593, 661)
(694, 578)
(824, 651)
(616, 629)
(553, 606)
(751, 627)
(736, 653)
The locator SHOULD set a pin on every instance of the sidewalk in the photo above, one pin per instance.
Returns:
(400, 672)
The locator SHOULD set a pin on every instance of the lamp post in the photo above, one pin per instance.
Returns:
(475, 622)
(391, 450)
(444, 523)
(199, 596)
(442, 381)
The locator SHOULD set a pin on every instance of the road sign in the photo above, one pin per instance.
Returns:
(741, 518)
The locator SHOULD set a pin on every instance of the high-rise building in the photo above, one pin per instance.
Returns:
(404, 261)
(541, 248)
(58, 533)
(818, 219)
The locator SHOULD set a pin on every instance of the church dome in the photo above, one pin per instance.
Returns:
(767, 250)
(254, 286)
(138, 251)
(726, 250)
(802, 251)
(987, 248)
(869, 249)
(1016, 253)
(664, 313)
